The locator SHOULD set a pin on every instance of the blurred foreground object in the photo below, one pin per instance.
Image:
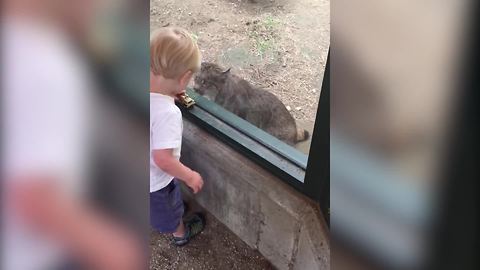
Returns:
(395, 67)
(48, 219)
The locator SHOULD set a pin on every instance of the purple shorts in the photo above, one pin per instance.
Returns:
(166, 208)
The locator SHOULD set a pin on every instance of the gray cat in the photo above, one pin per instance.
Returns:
(257, 106)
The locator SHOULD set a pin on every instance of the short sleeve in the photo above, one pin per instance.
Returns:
(166, 131)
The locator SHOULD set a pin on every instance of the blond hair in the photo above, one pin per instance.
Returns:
(173, 51)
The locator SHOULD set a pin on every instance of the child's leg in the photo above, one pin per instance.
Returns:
(166, 208)
(192, 227)
(188, 228)
(166, 212)
(180, 232)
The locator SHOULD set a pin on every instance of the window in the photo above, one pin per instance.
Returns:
(280, 48)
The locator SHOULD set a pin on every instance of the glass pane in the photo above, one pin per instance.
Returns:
(263, 60)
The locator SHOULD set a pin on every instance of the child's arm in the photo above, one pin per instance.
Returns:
(165, 160)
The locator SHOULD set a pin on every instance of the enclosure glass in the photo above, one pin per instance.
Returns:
(279, 47)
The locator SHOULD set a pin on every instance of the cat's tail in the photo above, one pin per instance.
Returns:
(302, 135)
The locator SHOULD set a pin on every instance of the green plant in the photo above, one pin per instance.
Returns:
(263, 35)
(270, 23)
(263, 46)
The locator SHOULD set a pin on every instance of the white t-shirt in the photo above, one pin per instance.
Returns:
(166, 129)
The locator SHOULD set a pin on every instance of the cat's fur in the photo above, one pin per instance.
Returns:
(257, 106)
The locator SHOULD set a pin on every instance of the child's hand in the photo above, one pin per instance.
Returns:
(195, 182)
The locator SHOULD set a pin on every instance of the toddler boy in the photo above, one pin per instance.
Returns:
(174, 58)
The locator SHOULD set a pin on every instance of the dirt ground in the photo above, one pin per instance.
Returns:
(279, 45)
(215, 248)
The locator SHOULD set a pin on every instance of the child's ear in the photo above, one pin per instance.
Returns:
(185, 79)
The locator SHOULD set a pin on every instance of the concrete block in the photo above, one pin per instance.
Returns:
(278, 233)
(245, 218)
(305, 259)
(225, 194)
(313, 245)
(262, 210)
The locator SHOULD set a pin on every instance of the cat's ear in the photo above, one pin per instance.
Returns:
(226, 71)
